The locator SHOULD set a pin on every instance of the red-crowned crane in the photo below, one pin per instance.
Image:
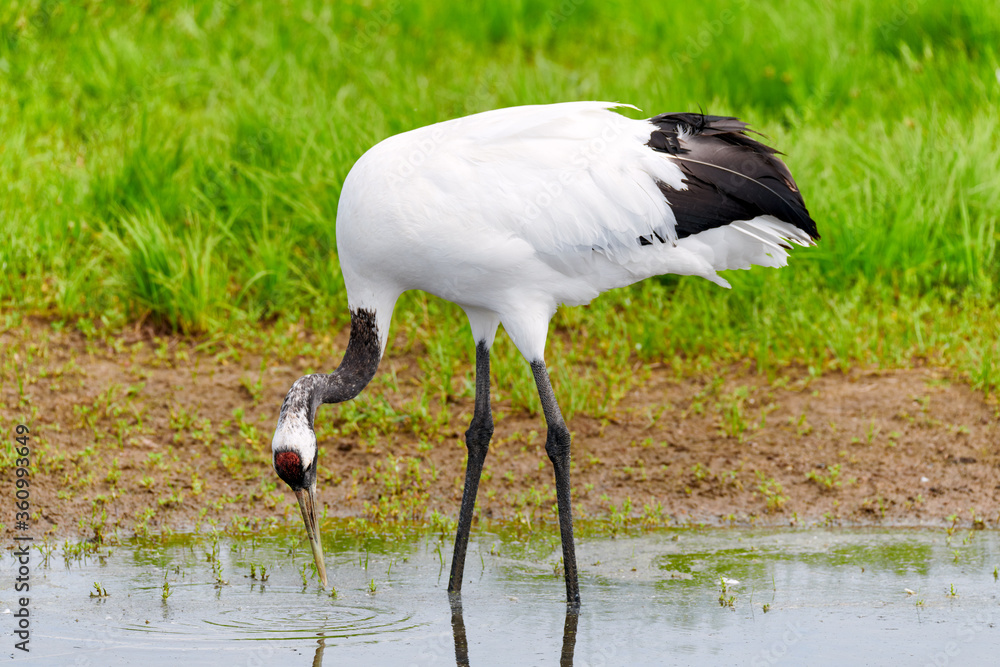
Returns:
(512, 212)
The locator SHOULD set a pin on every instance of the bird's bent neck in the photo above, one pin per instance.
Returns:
(354, 373)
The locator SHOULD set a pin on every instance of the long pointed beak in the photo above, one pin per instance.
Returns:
(307, 503)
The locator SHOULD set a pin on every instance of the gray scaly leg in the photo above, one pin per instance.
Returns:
(477, 439)
(557, 447)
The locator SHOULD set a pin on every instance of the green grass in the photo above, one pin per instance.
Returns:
(180, 164)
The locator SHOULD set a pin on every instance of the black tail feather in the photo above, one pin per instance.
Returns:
(729, 175)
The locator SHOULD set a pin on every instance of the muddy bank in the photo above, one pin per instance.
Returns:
(135, 434)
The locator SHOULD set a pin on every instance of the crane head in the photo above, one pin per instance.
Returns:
(294, 459)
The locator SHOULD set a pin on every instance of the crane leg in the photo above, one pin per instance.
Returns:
(557, 443)
(458, 630)
(477, 440)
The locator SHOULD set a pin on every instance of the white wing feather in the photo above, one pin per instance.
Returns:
(517, 210)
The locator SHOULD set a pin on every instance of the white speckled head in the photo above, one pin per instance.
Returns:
(294, 458)
(293, 449)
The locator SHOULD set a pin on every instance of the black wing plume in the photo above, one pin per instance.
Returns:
(729, 175)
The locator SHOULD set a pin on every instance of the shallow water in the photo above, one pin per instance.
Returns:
(833, 597)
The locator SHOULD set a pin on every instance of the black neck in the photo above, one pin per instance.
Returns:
(354, 373)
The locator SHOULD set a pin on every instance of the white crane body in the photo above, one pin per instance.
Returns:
(510, 213)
